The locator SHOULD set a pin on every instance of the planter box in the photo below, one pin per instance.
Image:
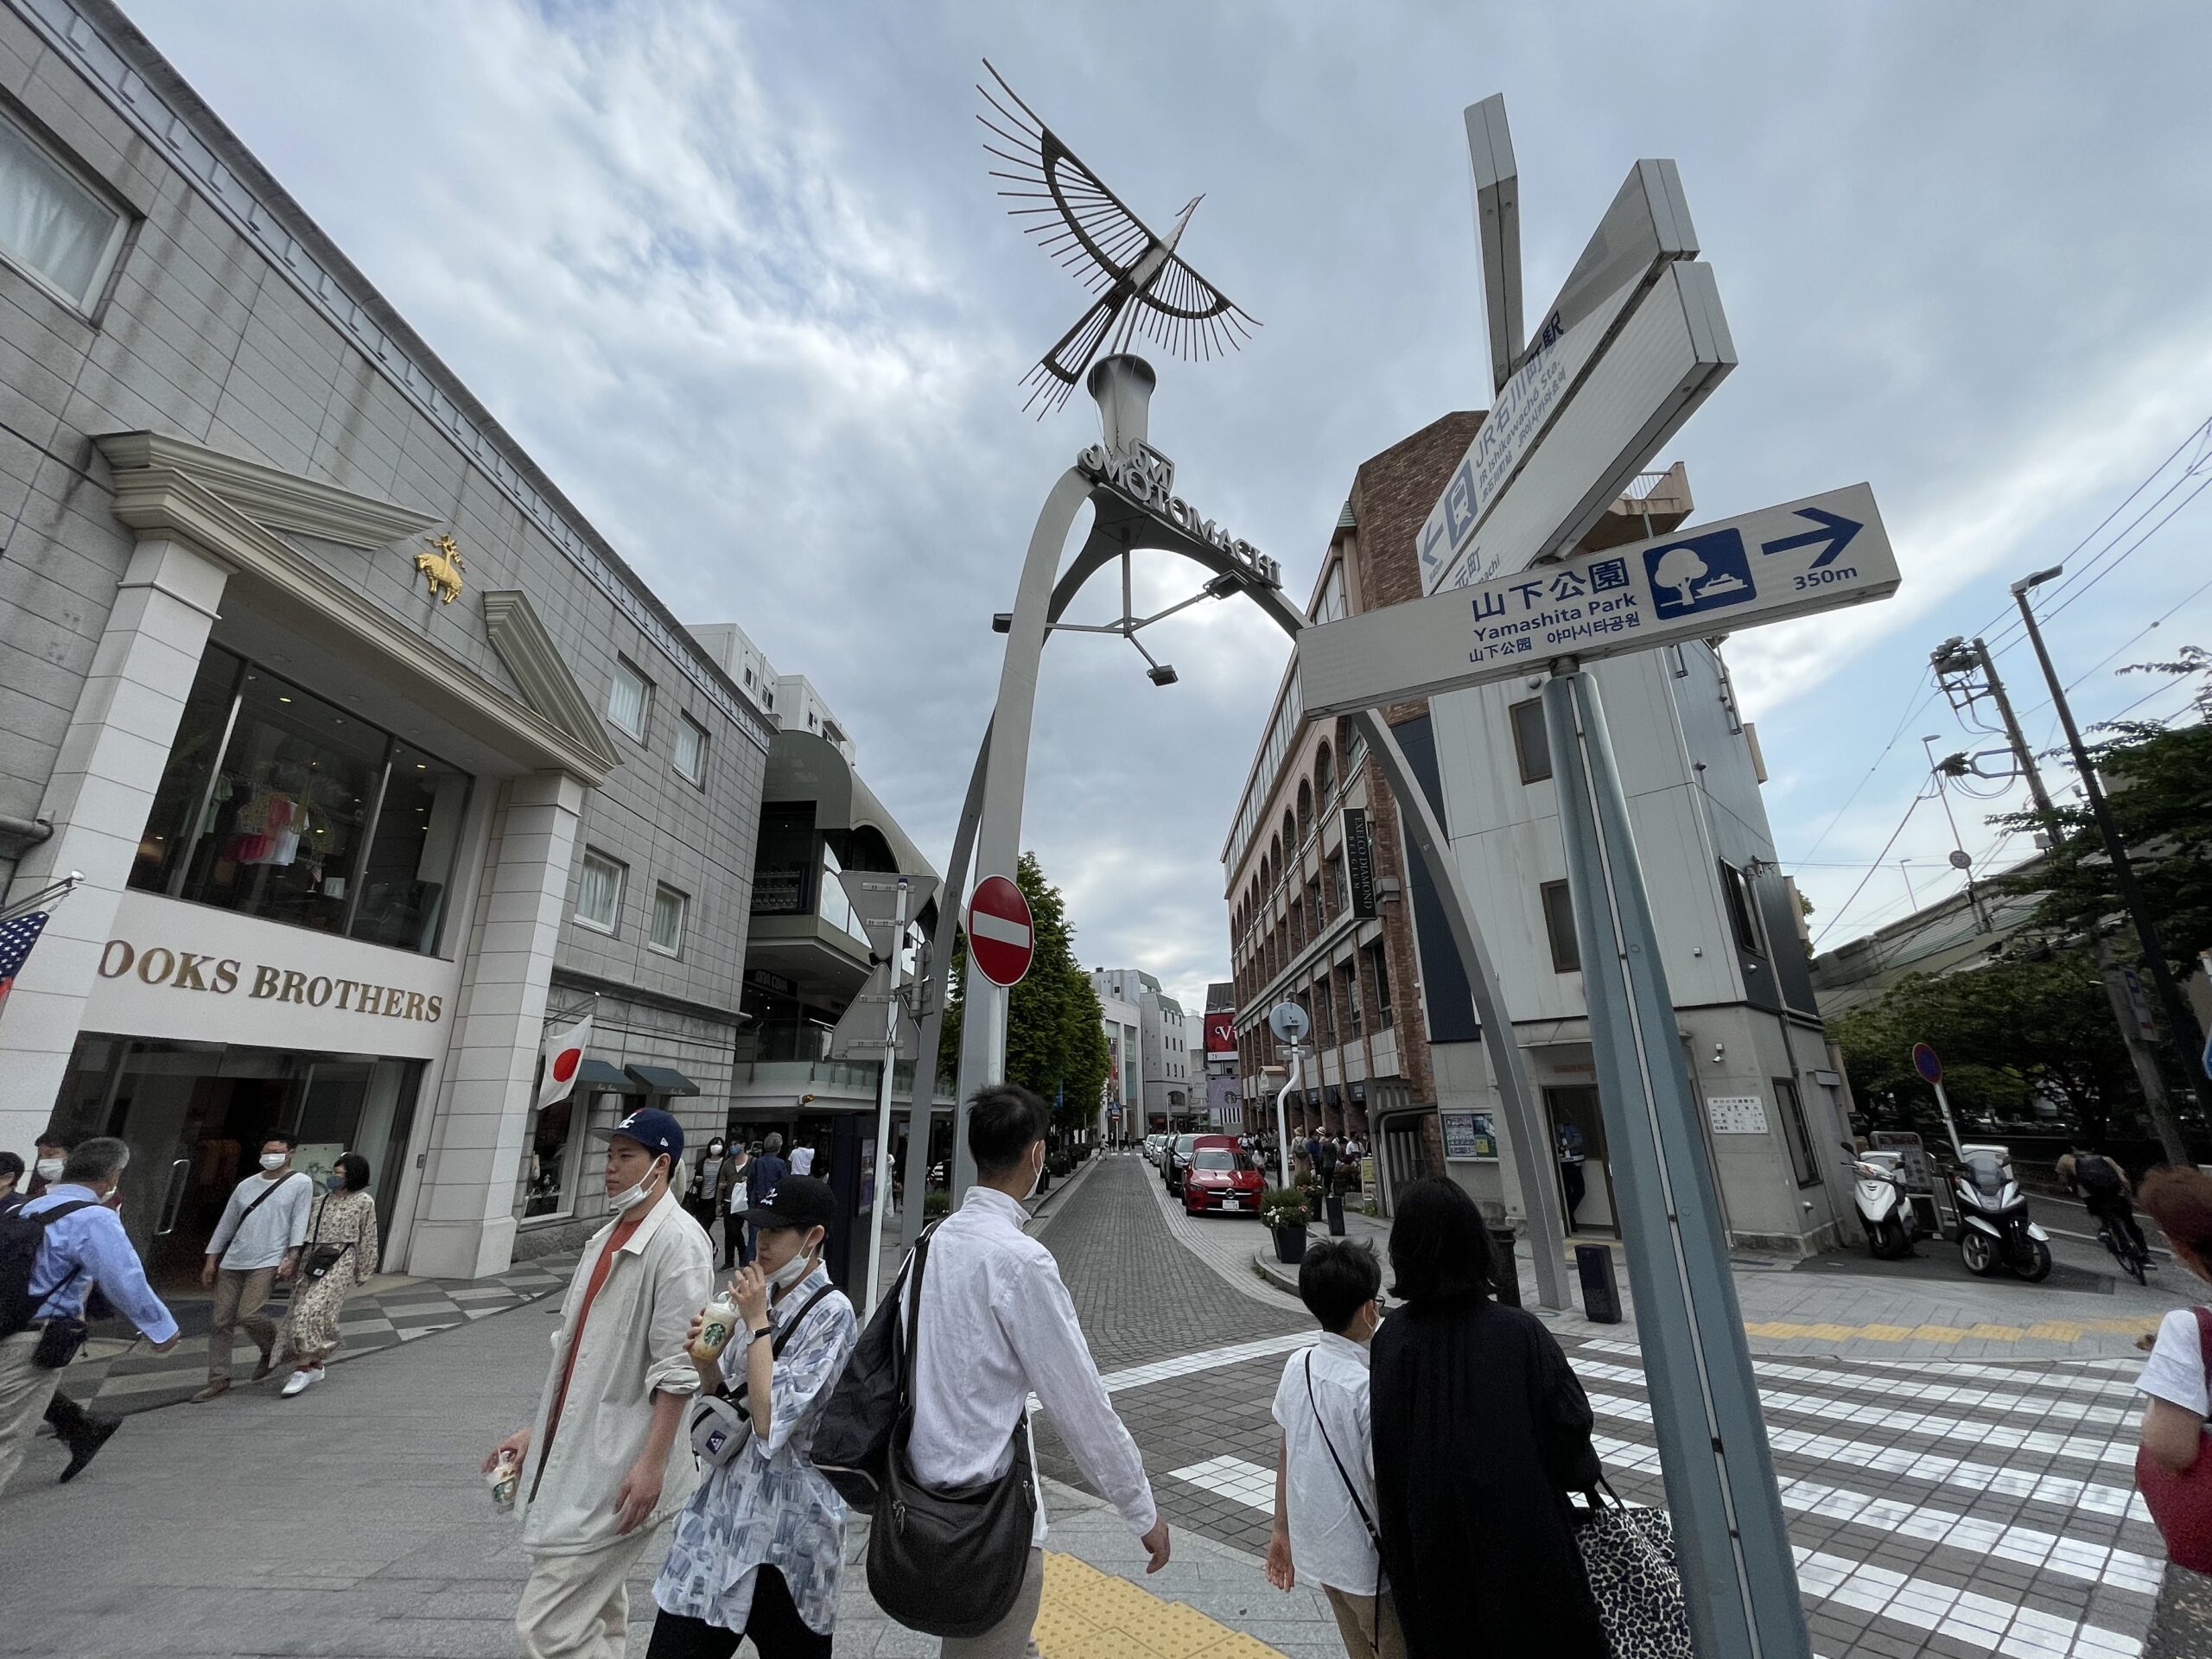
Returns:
(1290, 1245)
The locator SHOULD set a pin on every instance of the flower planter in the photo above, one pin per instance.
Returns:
(1290, 1244)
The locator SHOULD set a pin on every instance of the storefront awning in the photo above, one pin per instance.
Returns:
(598, 1077)
(663, 1080)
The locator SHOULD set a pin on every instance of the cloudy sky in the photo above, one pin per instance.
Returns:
(734, 274)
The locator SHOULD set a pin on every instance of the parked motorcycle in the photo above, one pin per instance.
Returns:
(1994, 1229)
(1884, 1210)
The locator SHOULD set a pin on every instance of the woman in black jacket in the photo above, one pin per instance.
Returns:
(1481, 1431)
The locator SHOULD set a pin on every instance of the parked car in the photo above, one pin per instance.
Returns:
(1176, 1160)
(1221, 1178)
(1151, 1148)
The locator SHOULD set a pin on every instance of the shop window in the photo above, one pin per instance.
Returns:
(691, 749)
(1797, 1132)
(630, 699)
(1742, 921)
(280, 805)
(1531, 747)
(599, 893)
(550, 1155)
(1324, 1015)
(671, 909)
(1559, 926)
(54, 227)
(1353, 1017)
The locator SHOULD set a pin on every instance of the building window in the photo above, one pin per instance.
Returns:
(54, 227)
(670, 910)
(630, 699)
(1350, 974)
(691, 749)
(599, 894)
(279, 805)
(1324, 1015)
(1378, 975)
(1558, 924)
(1797, 1132)
(546, 1158)
(1531, 745)
(1743, 919)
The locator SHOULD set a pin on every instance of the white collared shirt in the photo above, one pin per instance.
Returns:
(1329, 1543)
(996, 1325)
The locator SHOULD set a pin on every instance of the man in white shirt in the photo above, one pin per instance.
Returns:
(997, 1326)
(256, 1243)
(1324, 1463)
(802, 1159)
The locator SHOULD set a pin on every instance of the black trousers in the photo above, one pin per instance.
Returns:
(777, 1630)
(2120, 1210)
(1571, 1176)
(72, 1422)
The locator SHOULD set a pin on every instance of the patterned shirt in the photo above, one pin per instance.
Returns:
(769, 1506)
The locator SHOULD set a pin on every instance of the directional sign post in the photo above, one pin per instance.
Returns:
(1001, 939)
(1815, 555)
(1289, 1023)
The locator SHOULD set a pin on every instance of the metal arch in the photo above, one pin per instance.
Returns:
(1116, 527)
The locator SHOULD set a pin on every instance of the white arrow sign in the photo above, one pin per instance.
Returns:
(1813, 555)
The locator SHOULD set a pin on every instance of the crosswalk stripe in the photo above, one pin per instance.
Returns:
(1830, 1409)
(1976, 1619)
(2073, 1558)
(2012, 1400)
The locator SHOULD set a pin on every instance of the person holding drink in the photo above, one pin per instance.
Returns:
(758, 1550)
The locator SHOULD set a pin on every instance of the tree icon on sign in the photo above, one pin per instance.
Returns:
(1681, 568)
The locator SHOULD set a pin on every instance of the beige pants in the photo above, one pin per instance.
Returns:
(578, 1606)
(1009, 1638)
(24, 1391)
(239, 1295)
(1356, 1623)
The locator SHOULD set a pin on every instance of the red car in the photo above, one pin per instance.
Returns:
(1220, 1178)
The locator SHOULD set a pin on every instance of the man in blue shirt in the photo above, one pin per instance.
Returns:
(84, 1248)
(761, 1178)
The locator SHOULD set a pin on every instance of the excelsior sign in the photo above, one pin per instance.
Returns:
(1765, 566)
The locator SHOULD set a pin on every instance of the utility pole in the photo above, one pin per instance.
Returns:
(1960, 861)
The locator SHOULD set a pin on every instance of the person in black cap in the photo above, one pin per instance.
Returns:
(603, 1464)
(759, 1550)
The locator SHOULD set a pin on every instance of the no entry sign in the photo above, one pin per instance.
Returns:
(1000, 941)
(1925, 1062)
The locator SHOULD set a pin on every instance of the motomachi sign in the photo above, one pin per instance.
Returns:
(1146, 478)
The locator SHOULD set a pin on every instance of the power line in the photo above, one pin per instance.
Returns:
(1904, 721)
(1910, 810)
(2132, 638)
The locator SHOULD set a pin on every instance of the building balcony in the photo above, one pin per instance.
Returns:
(1654, 505)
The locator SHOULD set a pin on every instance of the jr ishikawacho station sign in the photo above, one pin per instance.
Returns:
(1784, 561)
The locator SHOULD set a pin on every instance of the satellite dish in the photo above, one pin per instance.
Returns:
(1289, 1022)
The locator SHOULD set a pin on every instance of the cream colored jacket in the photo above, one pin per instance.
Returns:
(633, 1347)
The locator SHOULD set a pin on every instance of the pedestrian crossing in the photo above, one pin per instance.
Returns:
(1936, 1508)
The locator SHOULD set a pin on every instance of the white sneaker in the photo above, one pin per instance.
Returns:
(300, 1382)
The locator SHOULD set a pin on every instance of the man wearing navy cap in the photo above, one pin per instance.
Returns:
(601, 1467)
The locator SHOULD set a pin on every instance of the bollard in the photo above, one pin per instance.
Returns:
(1336, 1213)
(1601, 1290)
(1508, 1276)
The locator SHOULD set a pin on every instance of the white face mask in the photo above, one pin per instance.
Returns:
(791, 1272)
(49, 1169)
(618, 1202)
(275, 1160)
(1035, 1176)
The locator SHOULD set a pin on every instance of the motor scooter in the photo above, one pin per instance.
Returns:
(1994, 1229)
(1885, 1211)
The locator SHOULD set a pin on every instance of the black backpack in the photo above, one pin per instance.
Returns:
(852, 1439)
(20, 1237)
(2094, 1174)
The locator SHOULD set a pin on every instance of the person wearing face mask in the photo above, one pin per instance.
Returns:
(706, 1185)
(996, 1325)
(341, 1254)
(759, 1550)
(81, 1243)
(47, 1157)
(734, 1193)
(12, 1193)
(601, 1466)
(256, 1243)
(81, 1431)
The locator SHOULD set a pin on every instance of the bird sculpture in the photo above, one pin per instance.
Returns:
(1140, 281)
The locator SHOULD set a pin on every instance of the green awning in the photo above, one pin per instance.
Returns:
(663, 1080)
(598, 1077)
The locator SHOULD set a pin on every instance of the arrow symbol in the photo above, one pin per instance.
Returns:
(1835, 530)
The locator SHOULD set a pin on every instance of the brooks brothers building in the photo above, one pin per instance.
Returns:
(373, 755)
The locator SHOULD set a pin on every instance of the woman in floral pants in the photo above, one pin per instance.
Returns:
(346, 1221)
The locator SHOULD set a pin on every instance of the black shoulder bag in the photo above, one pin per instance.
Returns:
(947, 1563)
(320, 1258)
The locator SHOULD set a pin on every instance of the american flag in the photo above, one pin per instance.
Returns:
(17, 935)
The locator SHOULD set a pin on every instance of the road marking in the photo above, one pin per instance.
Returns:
(1983, 1370)
(1936, 1393)
(1212, 1359)
(2045, 1330)
(1964, 1616)
(1232, 1477)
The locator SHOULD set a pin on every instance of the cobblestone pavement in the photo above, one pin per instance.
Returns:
(1938, 1506)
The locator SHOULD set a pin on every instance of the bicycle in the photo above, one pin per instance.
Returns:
(2132, 1258)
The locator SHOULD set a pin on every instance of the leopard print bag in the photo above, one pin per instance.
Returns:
(1628, 1552)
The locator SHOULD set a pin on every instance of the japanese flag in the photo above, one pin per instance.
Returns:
(564, 1056)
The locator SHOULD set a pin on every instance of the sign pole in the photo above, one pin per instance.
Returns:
(1739, 1577)
(1930, 1068)
(1297, 1053)
(882, 1198)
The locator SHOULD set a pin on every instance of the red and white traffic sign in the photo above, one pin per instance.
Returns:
(1000, 935)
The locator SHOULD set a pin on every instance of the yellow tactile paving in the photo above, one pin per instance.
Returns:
(2045, 1331)
(1088, 1614)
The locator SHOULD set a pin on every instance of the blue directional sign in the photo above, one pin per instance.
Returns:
(1699, 573)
